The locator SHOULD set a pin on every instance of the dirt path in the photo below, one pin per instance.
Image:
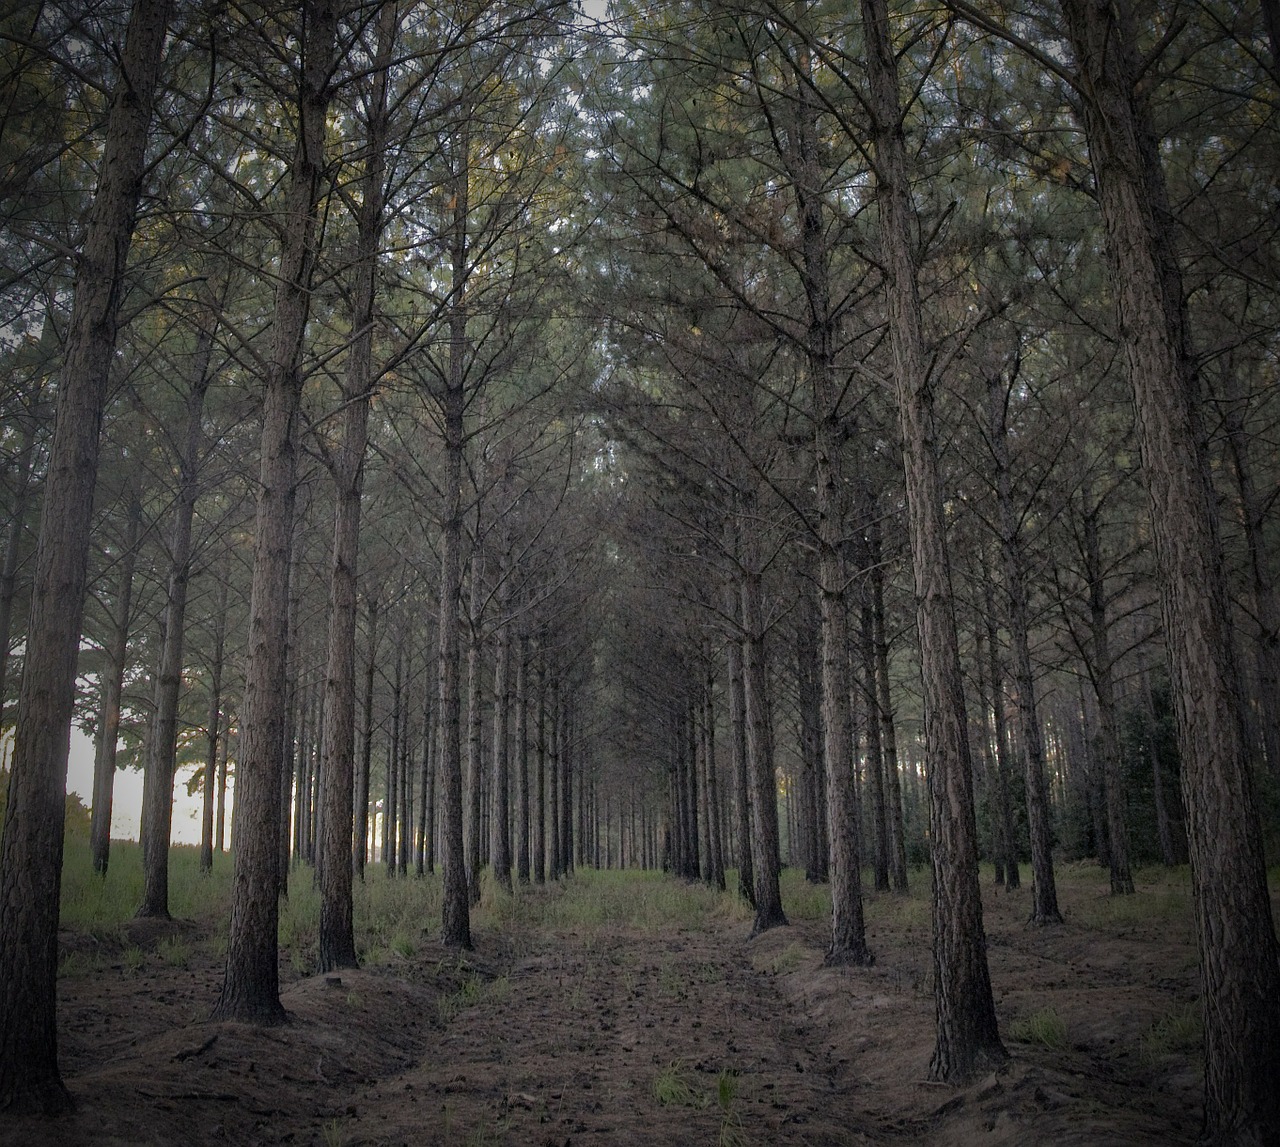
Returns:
(616, 1033)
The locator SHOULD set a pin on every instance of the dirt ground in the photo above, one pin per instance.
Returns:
(609, 1034)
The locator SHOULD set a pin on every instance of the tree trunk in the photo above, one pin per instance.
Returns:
(1262, 587)
(714, 830)
(884, 695)
(500, 826)
(13, 543)
(522, 759)
(738, 761)
(540, 784)
(162, 744)
(31, 846)
(1240, 968)
(875, 751)
(1101, 673)
(762, 780)
(251, 985)
(475, 758)
(967, 1038)
(360, 849)
(809, 704)
(213, 733)
(337, 795)
(1044, 891)
(1004, 773)
(104, 758)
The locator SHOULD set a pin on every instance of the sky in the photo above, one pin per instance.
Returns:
(126, 803)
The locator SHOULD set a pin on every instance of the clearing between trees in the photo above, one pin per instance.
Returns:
(624, 1008)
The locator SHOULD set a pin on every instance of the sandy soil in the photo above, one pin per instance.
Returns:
(617, 1035)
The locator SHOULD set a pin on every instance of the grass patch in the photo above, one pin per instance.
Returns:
(792, 957)
(802, 899)
(174, 951)
(1044, 1027)
(1180, 1031)
(673, 1088)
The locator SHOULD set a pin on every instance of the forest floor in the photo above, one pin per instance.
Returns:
(628, 1008)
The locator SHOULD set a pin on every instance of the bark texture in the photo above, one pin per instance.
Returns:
(31, 846)
(337, 778)
(967, 1039)
(251, 985)
(1240, 966)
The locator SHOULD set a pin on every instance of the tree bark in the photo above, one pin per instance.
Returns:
(1004, 773)
(360, 848)
(214, 735)
(337, 795)
(1240, 967)
(762, 781)
(1101, 672)
(13, 542)
(500, 824)
(522, 759)
(104, 757)
(251, 985)
(31, 845)
(161, 753)
(967, 1038)
(1044, 891)
(884, 695)
(475, 739)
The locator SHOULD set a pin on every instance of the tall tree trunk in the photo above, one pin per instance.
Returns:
(337, 795)
(390, 801)
(1262, 586)
(162, 744)
(809, 704)
(554, 796)
(522, 759)
(1101, 670)
(404, 774)
(967, 1037)
(1044, 891)
(715, 829)
(475, 739)
(220, 813)
(427, 818)
(738, 759)
(31, 846)
(251, 985)
(500, 826)
(884, 695)
(13, 543)
(875, 751)
(540, 785)
(213, 731)
(1239, 964)
(104, 758)
(456, 903)
(762, 781)
(360, 849)
(1004, 772)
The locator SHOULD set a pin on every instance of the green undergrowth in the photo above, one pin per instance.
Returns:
(100, 906)
(1044, 1027)
(1178, 1031)
(645, 901)
(396, 917)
